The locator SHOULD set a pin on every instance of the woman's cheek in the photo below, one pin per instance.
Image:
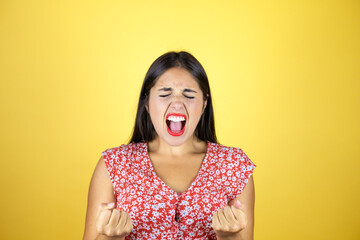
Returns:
(195, 108)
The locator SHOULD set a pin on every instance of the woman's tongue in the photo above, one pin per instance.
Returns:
(175, 127)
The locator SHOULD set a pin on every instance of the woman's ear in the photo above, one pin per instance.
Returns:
(205, 103)
(147, 102)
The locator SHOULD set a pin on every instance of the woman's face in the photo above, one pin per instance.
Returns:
(175, 106)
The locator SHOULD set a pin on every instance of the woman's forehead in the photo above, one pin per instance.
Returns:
(176, 78)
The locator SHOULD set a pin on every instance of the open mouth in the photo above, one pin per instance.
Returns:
(175, 124)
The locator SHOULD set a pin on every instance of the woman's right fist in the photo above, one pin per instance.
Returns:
(112, 222)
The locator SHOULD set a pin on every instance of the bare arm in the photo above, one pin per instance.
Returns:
(247, 198)
(100, 191)
(236, 221)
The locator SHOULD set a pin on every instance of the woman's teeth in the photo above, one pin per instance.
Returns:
(176, 118)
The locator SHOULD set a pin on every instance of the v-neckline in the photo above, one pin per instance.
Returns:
(193, 183)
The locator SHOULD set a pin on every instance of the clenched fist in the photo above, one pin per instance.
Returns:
(230, 220)
(112, 222)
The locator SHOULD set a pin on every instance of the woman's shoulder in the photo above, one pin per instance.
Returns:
(125, 149)
(224, 149)
(229, 153)
(123, 155)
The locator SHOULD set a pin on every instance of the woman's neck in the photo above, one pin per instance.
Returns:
(192, 145)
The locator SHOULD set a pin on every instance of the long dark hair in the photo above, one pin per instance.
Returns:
(144, 130)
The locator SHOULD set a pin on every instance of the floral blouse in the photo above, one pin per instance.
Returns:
(158, 212)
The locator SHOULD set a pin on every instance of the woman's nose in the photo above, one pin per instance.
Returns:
(177, 103)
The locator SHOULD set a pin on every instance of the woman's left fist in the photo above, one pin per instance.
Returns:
(229, 220)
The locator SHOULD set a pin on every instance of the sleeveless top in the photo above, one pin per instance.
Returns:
(158, 212)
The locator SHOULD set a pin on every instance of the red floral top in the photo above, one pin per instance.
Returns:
(158, 212)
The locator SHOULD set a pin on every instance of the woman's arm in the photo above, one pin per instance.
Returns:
(100, 191)
(247, 198)
(229, 220)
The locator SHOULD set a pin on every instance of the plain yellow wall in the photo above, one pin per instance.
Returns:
(285, 78)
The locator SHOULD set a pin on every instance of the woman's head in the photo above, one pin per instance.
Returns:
(175, 101)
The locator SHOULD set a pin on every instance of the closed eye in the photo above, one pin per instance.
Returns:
(166, 95)
(189, 97)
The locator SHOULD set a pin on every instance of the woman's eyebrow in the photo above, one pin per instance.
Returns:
(165, 89)
(189, 90)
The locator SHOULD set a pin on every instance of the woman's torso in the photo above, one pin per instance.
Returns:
(159, 212)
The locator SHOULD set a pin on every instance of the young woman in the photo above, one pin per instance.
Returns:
(173, 180)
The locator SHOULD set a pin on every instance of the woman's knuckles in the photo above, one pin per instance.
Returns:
(112, 228)
(225, 228)
(114, 232)
(99, 229)
(243, 224)
(109, 232)
(228, 228)
(128, 229)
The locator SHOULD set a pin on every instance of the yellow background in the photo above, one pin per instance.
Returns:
(285, 78)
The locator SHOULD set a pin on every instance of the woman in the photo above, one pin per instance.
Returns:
(173, 180)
